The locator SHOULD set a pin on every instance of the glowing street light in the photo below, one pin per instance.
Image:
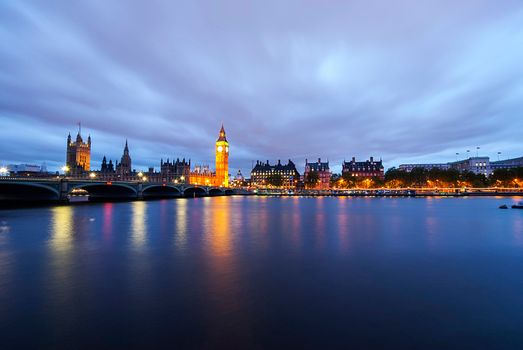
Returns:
(182, 178)
(92, 175)
(3, 170)
(140, 174)
(144, 178)
(65, 169)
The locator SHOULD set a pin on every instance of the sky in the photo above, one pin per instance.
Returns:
(403, 80)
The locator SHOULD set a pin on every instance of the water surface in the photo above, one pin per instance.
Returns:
(261, 272)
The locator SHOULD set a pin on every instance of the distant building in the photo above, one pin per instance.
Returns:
(27, 170)
(239, 176)
(507, 164)
(262, 173)
(366, 169)
(409, 167)
(323, 171)
(204, 176)
(477, 165)
(176, 171)
(124, 168)
(107, 168)
(78, 157)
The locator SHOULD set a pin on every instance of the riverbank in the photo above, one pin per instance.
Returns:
(391, 193)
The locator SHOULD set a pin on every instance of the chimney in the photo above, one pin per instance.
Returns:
(319, 160)
(353, 159)
(372, 159)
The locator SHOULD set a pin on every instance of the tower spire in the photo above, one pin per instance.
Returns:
(222, 136)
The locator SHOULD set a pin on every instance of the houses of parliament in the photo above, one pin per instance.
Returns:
(78, 165)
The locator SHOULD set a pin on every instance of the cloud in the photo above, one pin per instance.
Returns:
(405, 80)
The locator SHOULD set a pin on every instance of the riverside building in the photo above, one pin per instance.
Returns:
(365, 169)
(203, 176)
(78, 156)
(264, 174)
(323, 171)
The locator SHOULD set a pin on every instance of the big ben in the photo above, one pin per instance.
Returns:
(222, 160)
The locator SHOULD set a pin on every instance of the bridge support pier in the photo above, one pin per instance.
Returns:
(64, 190)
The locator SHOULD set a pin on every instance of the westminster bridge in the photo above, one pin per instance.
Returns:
(61, 189)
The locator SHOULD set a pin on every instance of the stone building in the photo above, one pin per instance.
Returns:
(202, 174)
(366, 169)
(263, 174)
(78, 157)
(323, 171)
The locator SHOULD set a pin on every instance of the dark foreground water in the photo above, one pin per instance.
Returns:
(246, 272)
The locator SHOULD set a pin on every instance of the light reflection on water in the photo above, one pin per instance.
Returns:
(139, 232)
(236, 271)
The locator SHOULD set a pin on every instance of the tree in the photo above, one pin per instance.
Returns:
(418, 177)
(348, 180)
(311, 180)
(335, 181)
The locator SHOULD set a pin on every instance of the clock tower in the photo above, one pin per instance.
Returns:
(222, 160)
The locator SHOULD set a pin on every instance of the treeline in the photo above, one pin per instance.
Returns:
(434, 178)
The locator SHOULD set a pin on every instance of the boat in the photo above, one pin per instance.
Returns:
(518, 206)
(504, 206)
(78, 195)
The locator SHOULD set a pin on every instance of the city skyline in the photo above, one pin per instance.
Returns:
(327, 83)
(97, 163)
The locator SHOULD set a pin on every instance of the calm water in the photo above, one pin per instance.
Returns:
(246, 272)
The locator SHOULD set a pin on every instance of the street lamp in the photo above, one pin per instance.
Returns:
(92, 175)
(3, 171)
(65, 169)
(140, 174)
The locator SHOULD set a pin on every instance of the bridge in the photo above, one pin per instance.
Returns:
(60, 189)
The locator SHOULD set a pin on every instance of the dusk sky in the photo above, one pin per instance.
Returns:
(408, 81)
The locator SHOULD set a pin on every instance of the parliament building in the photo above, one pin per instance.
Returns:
(204, 177)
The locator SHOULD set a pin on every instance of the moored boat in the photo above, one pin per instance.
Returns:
(518, 206)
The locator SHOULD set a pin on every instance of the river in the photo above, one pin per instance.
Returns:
(264, 272)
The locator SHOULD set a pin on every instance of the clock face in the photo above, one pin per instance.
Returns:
(220, 148)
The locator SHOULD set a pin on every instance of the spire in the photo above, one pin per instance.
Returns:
(126, 149)
(222, 136)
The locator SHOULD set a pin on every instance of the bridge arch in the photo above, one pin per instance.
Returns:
(27, 191)
(215, 192)
(229, 192)
(194, 192)
(107, 190)
(161, 191)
